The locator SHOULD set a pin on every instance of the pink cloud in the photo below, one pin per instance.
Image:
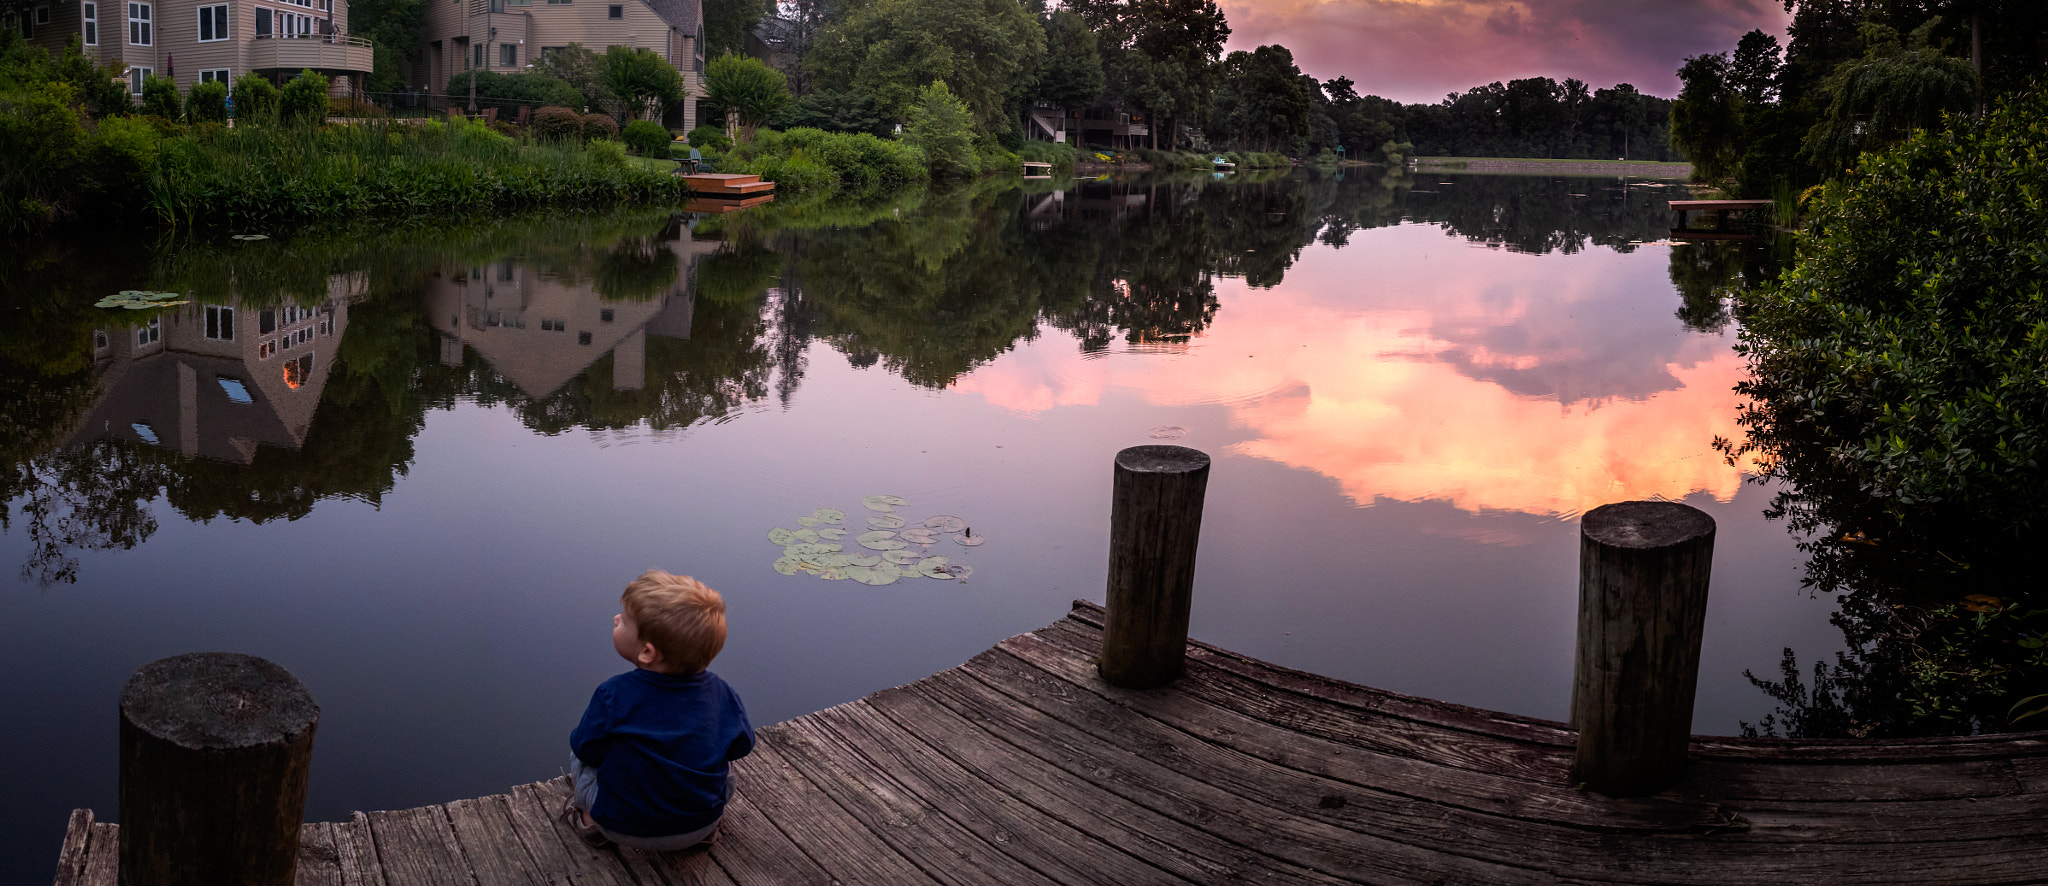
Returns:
(1419, 50)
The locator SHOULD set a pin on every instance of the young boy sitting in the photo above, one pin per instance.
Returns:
(649, 759)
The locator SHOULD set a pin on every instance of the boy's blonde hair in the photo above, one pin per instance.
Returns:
(680, 616)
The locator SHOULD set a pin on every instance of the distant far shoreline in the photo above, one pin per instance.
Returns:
(1645, 168)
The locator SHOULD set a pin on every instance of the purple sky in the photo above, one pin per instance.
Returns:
(1418, 50)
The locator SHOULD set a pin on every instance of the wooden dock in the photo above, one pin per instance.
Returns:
(1719, 210)
(727, 185)
(1023, 767)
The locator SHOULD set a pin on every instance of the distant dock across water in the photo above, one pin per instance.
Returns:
(1023, 766)
(1517, 166)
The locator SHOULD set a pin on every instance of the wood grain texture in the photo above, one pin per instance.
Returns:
(1155, 530)
(1024, 766)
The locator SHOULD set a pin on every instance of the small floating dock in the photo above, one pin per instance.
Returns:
(1023, 767)
(726, 185)
(1720, 210)
(1034, 169)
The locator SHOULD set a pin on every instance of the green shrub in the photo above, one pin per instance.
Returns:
(993, 158)
(1325, 157)
(354, 108)
(304, 99)
(160, 98)
(42, 138)
(710, 138)
(255, 98)
(600, 127)
(510, 92)
(607, 154)
(122, 157)
(646, 138)
(557, 124)
(1908, 347)
(1059, 154)
(208, 102)
(942, 127)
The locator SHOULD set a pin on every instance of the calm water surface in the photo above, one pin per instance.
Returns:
(416, 467)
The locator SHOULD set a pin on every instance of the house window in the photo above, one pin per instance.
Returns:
(42, 15)
(100, 340)
(236, 391)
(262, 22)
(615, 12)
(265, 350)
(213, 23)
(266, 322)
(296, 372)
(605, 315)
(220, 323)
(92, 24)
(478, 60)
(583, 338)
(143, 430)
(150, 333)
(135, 78)
(139, 30)
(216, 75)
(508, 55)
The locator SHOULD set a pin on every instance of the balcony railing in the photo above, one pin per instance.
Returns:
(321, 52)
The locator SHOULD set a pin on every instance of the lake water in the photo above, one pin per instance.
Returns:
(415, 467)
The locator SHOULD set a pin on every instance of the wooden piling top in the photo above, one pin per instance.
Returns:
(1023, 767)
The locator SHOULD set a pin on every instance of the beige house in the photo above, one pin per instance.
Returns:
(217, 380)
(194, 41)
(509, 36)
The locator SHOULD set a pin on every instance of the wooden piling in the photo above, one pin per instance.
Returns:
(215, 749)
(1643, 568)
(1155, 525)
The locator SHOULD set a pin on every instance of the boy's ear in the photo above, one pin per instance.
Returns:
(649, 656)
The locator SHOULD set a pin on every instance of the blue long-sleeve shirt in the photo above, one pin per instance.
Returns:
(661, 743)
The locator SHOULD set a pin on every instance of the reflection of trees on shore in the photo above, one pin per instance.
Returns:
(1543, 214)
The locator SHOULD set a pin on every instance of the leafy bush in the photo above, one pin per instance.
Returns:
(557, 124)
(122, 157)
(942, 128)
(255, 97)
(208, 102)
(1059, 154)
(510, 92)
(710, 138)
(1325, 157)
(747, 85)
(1908, 346)
(354, 108)
(304, 99)
(607, 154)
(600, 127)
(42, 137)
(646, 138)
(160, 98)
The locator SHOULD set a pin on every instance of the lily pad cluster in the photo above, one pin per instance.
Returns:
(140, 300)
(892, 548)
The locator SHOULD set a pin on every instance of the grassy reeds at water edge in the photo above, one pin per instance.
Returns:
(265, 174)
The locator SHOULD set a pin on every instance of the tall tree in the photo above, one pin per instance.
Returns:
(748, 85)
(641, 82)
(892, 49)
(1706, 119)
(1879, 99)
(1753, 71)
(1071, 74)
(728, 22)
(1184, 41)
(1264, 103)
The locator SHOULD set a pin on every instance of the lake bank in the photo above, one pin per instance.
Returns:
(1633, 168)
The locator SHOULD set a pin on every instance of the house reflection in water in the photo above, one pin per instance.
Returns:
(218, 379)
(539, 328)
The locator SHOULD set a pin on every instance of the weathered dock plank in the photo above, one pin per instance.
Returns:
(1022, 766)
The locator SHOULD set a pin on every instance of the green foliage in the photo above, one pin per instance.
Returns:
(582, 69)
(1059, 154)
(890, 50)
(727, 23)
(256, 98)
(1908, 349)
(816, 160)
(396, 29)
(835, 111)
(710, 138)
(304, 99)
(1071, 74)
(600, 127)
(640, 82)
(1706, 118)
(42, 137)
(646, 138)
(509, 92)
(1877, 100)
(1324, 158)
(208, 102)
(942, 128)
(1264, 102)
(1394, 153)
(557, 124)
(748, 85)
(607, 154)
(160, 98)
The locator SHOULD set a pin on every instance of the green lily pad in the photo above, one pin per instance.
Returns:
(918, 536)
(885, 521)
(880, 541)
(830, 515)
(140, 300)
(902, 557)
(251, 237)
(864, 560)
(832, 575)
(883, 503)
(802, 549)
(830, 561)
(945, 523)
(807, 536)
(933, 567)
(833, 534)
(806, 521)
(880, 575)
(960, 571)
(781, 536)
(788, 565)
(968, 541)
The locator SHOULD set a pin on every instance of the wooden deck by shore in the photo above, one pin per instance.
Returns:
(1023, 767)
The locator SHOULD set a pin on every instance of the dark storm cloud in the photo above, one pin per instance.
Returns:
(1420, 50)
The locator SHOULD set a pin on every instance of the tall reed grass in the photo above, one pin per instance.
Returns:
(266, 174)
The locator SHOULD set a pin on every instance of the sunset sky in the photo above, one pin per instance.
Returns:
(1418, 50)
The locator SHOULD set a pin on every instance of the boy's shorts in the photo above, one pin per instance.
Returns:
(585, 787)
